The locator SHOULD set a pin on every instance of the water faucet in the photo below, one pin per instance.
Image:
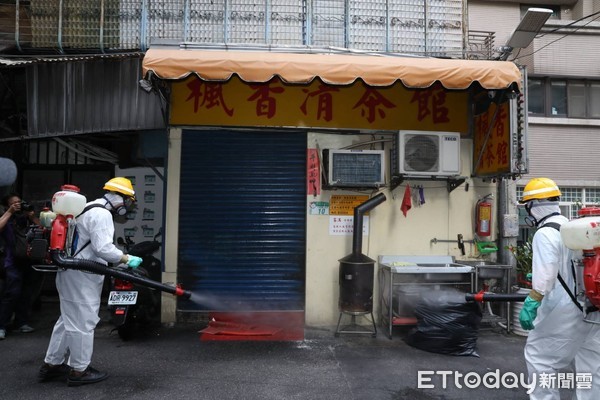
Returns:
(461, 244)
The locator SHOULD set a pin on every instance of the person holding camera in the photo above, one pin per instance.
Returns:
(20, 277)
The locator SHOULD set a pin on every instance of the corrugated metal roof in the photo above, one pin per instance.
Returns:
(99, 95)
(17, 61)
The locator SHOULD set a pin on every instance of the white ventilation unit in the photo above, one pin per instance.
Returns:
(429, 154)
(355, 168)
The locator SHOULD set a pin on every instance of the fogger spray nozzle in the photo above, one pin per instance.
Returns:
(494, 297)
(182, 293)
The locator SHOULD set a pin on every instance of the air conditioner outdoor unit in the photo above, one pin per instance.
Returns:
(429, 153)
(355, 168)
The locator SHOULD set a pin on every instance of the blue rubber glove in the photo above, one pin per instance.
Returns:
(133, 261)
(528, 313)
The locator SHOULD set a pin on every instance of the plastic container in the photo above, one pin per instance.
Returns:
(46, 217)
(486, 247)
(581, 233)
(68, 201)
(405, 299)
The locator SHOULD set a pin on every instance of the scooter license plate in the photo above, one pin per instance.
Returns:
(122, 298)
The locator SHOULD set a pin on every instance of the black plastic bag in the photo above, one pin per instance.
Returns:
(446, 324)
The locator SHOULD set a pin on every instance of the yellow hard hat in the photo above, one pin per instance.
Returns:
(540, 188)
(120, 185)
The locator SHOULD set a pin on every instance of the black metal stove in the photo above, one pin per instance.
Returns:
(357, 272)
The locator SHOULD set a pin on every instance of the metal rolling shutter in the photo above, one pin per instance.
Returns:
(242, 220)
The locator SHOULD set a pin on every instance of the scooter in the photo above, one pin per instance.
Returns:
(133, 306)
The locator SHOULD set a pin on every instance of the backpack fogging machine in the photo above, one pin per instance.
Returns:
(579, 234)
(52, 245)
(583, 233)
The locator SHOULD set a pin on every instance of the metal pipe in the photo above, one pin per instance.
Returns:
(359, 211)
(436, 240)
(101, 30)
(18, 26)
(369, 142)
(60, 27)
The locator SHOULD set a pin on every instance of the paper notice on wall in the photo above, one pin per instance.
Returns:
(345, 204)
(344, 225)
(511, 225)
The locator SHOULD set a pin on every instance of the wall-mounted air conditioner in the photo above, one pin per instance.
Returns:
(355, 168)
(429, 153)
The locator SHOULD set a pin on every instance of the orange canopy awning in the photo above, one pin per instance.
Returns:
(335, 69)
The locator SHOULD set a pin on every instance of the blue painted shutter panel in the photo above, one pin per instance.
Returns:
(242, 220)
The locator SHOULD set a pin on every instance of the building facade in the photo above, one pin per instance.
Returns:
(215, 212)
(563, 69)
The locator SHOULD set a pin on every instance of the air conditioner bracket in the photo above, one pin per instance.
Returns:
(451, 182)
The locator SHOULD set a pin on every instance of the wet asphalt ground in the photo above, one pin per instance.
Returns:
(172, 362)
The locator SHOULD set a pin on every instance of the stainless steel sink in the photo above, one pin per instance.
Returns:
(448, 265)
(448, 272)
(429, 268)
(488, 269)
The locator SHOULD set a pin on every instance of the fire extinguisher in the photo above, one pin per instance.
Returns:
(483, 217)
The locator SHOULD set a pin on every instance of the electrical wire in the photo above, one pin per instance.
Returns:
(570, 23)
(351, 146)
(489, 308)
(104, 156)
(97, 151)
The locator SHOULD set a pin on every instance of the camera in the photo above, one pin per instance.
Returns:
(26, 207)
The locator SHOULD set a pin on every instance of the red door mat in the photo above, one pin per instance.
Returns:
(263, 325)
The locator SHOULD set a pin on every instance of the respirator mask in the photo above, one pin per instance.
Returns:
(539, 210)
(120, 205)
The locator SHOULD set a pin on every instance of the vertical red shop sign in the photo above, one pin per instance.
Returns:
(313, 172)
(494, 158)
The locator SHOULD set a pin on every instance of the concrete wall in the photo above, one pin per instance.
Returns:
(484, 16)
(566, 53)
(443, 216)
(171, 238)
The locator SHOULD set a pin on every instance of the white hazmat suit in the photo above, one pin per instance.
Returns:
(80, 292)
(561, 341)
